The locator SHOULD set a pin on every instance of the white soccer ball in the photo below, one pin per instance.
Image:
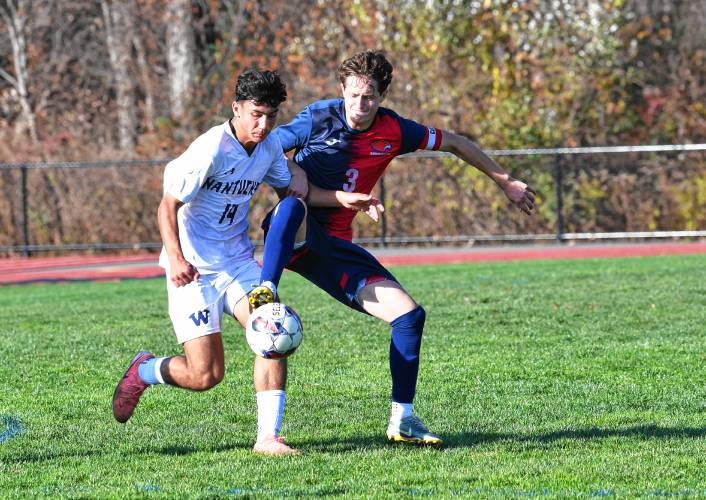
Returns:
(274, 331)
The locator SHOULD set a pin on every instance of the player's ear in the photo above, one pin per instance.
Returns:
(236, 109)
(383, 95)
(343, 88)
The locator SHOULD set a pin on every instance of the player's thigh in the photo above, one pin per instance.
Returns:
(241, 311)
(300, 237)
(195, 310)
(386, 300)
(235, 301)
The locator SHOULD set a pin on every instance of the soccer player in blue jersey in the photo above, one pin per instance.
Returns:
(344, 145)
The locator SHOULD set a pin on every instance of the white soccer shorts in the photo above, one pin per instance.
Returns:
(196, 309)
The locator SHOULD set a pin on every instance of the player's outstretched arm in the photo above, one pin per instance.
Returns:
(360, 202)
(518, 192)
(180, 271)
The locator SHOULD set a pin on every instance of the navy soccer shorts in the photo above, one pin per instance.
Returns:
(338, 267)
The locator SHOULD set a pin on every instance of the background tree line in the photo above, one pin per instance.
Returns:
(106, 79)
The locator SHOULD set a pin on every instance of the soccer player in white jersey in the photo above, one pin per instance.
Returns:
(208, 257)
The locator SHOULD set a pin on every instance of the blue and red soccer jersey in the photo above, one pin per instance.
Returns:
(337, 157)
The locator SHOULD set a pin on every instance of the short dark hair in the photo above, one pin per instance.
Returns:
(261, 87)
(370, 65)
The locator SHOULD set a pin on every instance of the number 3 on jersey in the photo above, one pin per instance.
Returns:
(352, 175)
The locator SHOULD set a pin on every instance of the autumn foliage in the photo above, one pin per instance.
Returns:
(87, 80)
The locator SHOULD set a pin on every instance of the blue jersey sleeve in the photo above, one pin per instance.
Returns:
(295, 134)
(413, 135)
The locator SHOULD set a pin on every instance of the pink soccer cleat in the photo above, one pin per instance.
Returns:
(273, 446)
(129, 389)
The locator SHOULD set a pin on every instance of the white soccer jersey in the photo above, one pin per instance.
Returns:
(215, 178)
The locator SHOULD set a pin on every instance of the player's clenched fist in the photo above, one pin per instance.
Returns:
(182, 273)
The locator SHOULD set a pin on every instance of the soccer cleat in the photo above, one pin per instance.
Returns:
(412, 430)
(273, 446)
(129, 389)
(260, 296)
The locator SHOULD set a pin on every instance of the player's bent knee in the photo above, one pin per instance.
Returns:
(386, 300)
(413, 320)
(290, 204)
(207, 379)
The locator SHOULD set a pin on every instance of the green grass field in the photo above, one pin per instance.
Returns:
(547, 378)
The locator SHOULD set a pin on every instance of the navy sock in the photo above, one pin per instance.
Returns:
(279, 243)
(404, 354)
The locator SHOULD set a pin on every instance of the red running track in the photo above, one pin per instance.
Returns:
(109, 268)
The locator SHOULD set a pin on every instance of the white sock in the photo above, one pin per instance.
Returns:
(401, 410)
(270, 407)
(158, 370)
(271, 286)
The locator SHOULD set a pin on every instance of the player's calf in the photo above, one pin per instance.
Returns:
(405, 346)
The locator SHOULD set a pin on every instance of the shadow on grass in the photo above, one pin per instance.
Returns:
(20, 458)
(474, 439)
(378, 442)
(175, 450)
(469, 439)
(179, 450)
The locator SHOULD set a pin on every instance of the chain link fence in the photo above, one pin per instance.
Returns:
(593, 193)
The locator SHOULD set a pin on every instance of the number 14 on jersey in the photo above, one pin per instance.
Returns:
(228, 215)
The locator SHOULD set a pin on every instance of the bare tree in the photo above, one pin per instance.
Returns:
(180, 56)
(144, 69)
(688, 17)
(119, 36)
(15, 15)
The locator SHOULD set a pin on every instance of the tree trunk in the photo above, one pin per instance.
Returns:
(118, 35)
(692, 24)
(146, 82)
(15, 18)
(180, 56)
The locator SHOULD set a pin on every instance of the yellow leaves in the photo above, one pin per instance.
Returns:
(615, 108)
(496, 81)
(592, 190)
(653, 223)
(665, 33)
(431, 49)
(691, 200)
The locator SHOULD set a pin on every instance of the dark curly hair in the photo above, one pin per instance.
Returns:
(369, 65)
(261, 87)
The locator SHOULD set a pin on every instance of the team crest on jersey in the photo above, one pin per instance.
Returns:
(380, 147)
